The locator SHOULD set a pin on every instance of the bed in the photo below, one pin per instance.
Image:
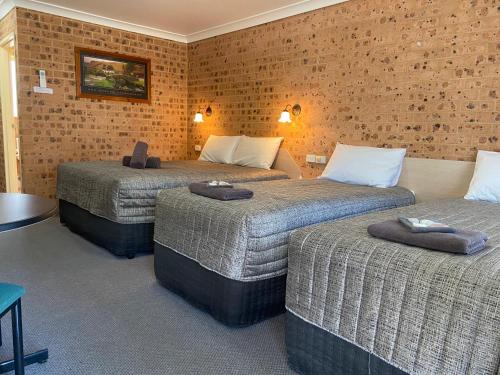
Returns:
(113, 206)
(230, 258)
(361, 305)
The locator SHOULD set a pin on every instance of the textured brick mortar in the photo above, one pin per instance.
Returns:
(420, 74)
(417, 74)
(58, 128)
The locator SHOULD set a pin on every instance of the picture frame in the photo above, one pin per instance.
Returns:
(112, 76)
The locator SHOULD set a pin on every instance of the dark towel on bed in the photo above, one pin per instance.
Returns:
(126, 161)
(152, 162)
(139, 156)
(460, 242)
(222, 193)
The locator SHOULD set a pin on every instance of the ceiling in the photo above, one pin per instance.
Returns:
(186, 21)
(180, 17)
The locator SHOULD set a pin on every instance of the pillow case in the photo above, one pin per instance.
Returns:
(360, 165)
(257, 152)
(219, 149)
(485, 183)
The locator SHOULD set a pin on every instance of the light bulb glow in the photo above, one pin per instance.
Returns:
(285, 117)
(198, 117)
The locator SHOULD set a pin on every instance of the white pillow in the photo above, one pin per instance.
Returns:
(485, 184)
(220, 149)
(359, 165)
(257, 152)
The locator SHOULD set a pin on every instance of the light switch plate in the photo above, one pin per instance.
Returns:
(320, 159)
(43, 90)
(197, 148)
(311, 158)
(43, 78)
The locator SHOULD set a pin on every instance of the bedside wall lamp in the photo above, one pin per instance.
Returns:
(198, 116)
(285, 115)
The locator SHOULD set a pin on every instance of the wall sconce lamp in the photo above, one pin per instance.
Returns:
(198, 116)
(285, 115)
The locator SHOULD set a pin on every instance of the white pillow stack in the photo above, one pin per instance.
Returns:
(485, 184)
(220, 149)
(359, 165)
(257, 152)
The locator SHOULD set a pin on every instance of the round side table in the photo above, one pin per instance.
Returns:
(18, 210)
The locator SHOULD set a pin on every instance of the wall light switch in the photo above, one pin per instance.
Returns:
(320, 159)
(43, 78)
(43, 90)
(311, 158)
(197, 148)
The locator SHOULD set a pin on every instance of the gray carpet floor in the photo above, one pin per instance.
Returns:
(99, 314)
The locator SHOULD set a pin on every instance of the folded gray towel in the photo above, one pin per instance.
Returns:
(139, 156)
(153, 162)
(126, 161)
(222, 193)
(459, 242)
(425, 226)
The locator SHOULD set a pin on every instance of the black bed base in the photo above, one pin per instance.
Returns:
(232, 302)
(120, 239)
(312, 350)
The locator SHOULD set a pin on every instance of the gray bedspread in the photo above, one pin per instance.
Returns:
(424, 311)
(127, 196)
(247, 240)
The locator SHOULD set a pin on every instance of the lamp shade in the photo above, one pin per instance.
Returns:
(198, 117)
(285, 117)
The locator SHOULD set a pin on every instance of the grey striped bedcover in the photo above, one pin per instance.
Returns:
(127, 196)
(247, 240)
(425, 312)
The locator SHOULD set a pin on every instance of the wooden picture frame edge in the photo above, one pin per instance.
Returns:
(80, 94)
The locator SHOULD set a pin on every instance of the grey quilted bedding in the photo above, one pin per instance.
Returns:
(247, 240)
(425, 312)
(127, 196)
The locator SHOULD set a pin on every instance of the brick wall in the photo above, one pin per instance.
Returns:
(419, 74)
(7, 26)
(59, 128)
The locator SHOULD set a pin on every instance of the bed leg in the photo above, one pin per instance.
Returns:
(130, 256)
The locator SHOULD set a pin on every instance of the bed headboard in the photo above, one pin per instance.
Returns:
(432, 179)
(284, 162)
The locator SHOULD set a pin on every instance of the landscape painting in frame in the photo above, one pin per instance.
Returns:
(112, 76)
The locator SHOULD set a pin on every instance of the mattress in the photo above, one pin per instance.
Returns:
(247, 240)
(127, 196)
(421, 311)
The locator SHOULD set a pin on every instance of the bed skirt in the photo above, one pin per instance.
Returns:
(232, 302)
(312, 350)
(120, 239)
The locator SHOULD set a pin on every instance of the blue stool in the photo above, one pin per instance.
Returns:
(10, 300)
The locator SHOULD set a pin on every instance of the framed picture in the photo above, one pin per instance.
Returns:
(112, 76)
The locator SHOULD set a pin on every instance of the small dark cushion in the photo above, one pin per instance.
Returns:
(153, 162)
(126, 161)
(139, 156)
